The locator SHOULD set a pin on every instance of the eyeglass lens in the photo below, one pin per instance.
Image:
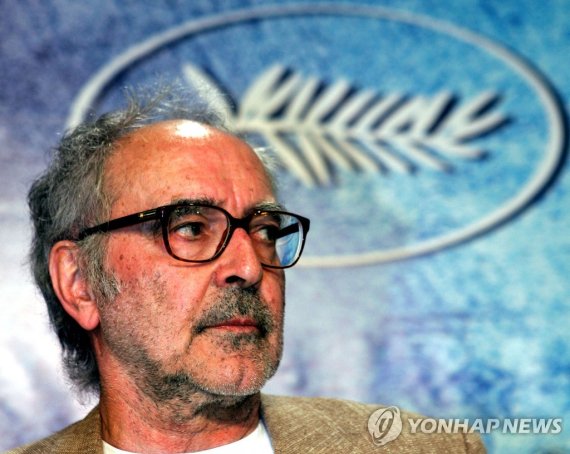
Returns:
(197, 233)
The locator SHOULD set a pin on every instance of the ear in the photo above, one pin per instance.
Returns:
(70, 285)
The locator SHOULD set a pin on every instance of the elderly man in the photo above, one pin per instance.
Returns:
(160, 249)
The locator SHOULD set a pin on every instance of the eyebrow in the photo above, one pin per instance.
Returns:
(197, 201)
(262, 206)
(269, 206)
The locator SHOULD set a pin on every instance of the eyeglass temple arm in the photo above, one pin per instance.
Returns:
(293, 228)
(125, 221)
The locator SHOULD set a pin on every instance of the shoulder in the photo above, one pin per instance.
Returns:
(334, 425)
(80, 437)
(317, 407)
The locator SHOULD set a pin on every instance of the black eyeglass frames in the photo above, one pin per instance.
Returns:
(199, 233)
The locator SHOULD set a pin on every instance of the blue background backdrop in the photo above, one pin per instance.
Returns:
(473, 331)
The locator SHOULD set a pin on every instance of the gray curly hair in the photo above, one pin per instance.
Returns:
(70, 195)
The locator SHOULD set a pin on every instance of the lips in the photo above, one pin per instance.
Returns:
(237, 324)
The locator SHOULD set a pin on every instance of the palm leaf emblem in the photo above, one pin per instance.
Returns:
(317, 128)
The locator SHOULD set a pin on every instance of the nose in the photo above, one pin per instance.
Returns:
(239, 265)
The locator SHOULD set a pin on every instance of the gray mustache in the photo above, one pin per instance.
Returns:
(237, 302)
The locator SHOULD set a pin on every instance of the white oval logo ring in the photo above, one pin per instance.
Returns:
(543, 174)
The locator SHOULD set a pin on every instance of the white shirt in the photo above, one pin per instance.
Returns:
(257, 442)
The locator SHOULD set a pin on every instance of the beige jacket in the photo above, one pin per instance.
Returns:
(296, 426)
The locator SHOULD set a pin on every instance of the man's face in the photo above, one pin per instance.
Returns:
(175, 327)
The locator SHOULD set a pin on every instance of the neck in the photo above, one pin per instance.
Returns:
(132, 421)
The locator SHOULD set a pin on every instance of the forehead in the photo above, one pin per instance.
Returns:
(183, 159)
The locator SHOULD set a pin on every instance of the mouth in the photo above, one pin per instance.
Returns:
(236, 313)
(237, 325)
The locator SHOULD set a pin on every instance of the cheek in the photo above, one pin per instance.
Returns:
(165, 299)
(143, 298)
(124, 260)
(273, 289)
(145, 316)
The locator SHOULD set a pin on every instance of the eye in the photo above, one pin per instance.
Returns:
(267, 231)
(189, 230)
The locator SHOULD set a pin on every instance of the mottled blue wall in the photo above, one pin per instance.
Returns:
(435, 281)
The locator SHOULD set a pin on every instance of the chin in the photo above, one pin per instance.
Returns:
(242, 379)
